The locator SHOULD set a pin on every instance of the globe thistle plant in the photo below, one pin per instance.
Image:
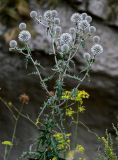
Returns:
(64, 46)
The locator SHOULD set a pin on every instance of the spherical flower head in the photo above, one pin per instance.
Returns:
(87, 56)
(22, 26)
(33, 14)
(96, 39)
(65, 48)
(13, 44)
(57, 21)
(65, 38)
(54, 13)
(97, 49)
(58, 30)
(72, 30)
(83, 16)
(89, 19)
(48, 15)
(24, 36)
(83, 25)
(92, 29)
(76, 17)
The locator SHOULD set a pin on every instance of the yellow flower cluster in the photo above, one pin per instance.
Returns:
(69, 112)
(7, 143)
(72, 153)
(78, 97)
(63, 141)
(80, 149)
(81, 109)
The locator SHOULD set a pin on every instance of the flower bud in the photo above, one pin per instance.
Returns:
(87, 56)
(12, 43)
(92, 29)
(22, 26)
(96, 39)
(89, 19)
(33, 14)
(57, 21)
(65, 48)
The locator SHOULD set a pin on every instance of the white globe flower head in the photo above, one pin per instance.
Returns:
(89, 19)
(65, 48)
(24, 36)
(72, 30)
(33, 14)
(58, 30)
(83, 25)
(65, 38)
(57, 21)
(83, 16)
(48, 15)
(97, 49)
(22, 26)
(76, 17)
(96, 39)
(13, 44)
(87, 56)
(92, 29)
(54, 13)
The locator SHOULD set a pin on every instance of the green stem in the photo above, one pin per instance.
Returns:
(5, 154)
(76, 127)
(14, 131)
(29, 54)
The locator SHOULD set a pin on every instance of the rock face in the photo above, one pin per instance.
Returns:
(102, 108)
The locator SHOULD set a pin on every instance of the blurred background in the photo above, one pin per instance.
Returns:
(102, 106)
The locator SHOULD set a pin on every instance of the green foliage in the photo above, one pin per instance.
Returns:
(107, 150)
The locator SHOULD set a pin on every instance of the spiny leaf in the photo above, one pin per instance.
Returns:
(48, 78)
(73, 77)
(38, 64)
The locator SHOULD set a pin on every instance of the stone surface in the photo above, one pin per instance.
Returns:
(106, 10)
(102, 107)
(98, 8)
